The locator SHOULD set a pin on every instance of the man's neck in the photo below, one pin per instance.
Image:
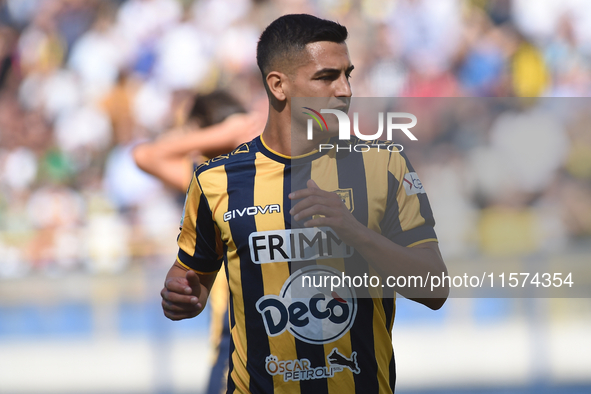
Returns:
(278, 137)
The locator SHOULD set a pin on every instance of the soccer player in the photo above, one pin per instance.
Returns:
(287, 338)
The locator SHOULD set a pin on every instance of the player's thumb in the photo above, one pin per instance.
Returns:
(311, 184)
(194, 283)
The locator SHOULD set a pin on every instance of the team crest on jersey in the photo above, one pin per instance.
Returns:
(346, 196)
(311, 312)
(301, 369)
(412, 184)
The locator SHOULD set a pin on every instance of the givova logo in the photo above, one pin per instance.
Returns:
(251, 211)
(313, 315)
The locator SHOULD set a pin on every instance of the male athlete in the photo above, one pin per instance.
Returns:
(352, 215)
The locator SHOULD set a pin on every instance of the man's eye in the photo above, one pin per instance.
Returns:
(348, 76)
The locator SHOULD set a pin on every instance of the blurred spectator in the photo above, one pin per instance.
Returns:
(428, 33)
(182, 57)
(57, 213)
(7, 51)
(125, 184)
(97, 57)
(41, 47)
(483, 67)
(117, 103)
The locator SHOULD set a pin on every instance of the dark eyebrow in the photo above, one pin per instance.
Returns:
(332, 71)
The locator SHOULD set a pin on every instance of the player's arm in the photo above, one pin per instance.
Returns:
(422, 260)
(189, 280)
(185, 292)
(168, 158)
(326, 209)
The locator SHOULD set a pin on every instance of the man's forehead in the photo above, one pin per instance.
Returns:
(327, 54)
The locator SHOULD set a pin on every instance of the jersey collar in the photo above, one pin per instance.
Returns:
(270, 153)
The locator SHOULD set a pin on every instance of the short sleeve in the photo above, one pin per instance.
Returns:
(408, 218)
(200, 245)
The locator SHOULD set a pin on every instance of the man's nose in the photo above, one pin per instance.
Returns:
(343, 88)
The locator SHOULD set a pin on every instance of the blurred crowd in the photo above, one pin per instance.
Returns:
(83, 81)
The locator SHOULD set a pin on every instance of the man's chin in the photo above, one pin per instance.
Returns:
(341, 104)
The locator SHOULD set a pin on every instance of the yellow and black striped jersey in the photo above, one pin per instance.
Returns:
(285, 338)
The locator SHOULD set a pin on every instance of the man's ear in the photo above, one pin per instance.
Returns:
(276, 82)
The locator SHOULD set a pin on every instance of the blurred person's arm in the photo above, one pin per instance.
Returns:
(169, 157)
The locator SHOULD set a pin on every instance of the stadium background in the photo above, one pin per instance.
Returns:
(86, 238)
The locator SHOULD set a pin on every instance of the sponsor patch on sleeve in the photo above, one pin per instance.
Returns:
(412, 184)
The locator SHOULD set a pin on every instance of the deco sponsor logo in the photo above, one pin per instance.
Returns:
(301, 369)
(313, 315)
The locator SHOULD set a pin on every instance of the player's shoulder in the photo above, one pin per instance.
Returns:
(243, 153)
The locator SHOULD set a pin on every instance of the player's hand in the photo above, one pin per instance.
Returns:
(325, 209)
(183, 298)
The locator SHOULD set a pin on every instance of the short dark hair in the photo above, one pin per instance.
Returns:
(288, 35)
